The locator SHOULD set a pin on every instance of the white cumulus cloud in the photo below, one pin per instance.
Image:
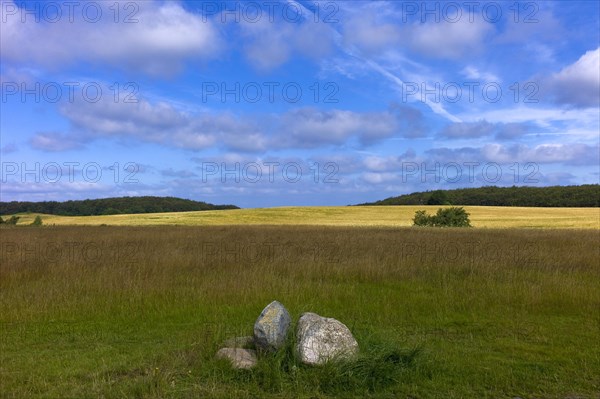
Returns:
(158, 40)
(579, 83)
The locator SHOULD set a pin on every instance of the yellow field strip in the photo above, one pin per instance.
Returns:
(481, 216)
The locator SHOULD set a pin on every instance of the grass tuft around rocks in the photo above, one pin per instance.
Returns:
(378, 366)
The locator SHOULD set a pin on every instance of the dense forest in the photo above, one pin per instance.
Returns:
(555, 196)
(110, 206)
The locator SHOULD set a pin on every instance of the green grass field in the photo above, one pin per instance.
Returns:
(117, 311)
(393, 216)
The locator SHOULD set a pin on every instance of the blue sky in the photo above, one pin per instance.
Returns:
(295, 102)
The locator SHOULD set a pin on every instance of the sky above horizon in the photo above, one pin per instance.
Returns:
(274, 103)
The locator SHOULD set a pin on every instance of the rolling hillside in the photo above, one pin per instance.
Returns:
(351, 216)
(110, 206)
(555, 196)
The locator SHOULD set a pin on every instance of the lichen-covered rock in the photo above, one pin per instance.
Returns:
(321, 339)
(239, 358)
(271, 327)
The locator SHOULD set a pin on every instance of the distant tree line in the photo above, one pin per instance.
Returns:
(110, 206)
(556, 196)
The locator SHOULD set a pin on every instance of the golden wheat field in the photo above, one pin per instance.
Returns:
(390, 216)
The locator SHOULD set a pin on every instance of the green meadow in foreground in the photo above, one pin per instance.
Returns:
(121, 312)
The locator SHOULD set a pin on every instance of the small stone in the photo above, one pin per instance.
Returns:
(239, 358)
(239, 342)
(271, 327)
(321, 339)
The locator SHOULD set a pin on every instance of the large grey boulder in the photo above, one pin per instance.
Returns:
(239, 358)
(271, 327)
(321, 339)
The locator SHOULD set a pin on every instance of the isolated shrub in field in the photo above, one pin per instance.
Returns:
(445, 217)
(12, 220)
(37, 221)
(422, 219)
(452, 217)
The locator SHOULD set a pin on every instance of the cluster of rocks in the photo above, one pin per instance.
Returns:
(318, 339)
